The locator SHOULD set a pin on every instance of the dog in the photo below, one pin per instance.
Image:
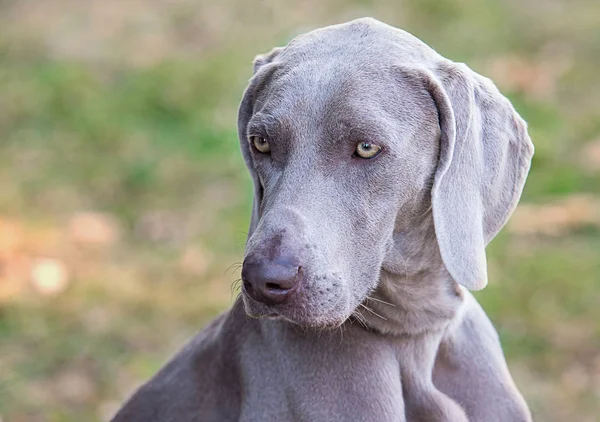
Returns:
(381, 171)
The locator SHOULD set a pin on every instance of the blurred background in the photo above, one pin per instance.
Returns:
(124, 200)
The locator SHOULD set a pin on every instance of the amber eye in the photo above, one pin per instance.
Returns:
(261, 144)
(367, 150)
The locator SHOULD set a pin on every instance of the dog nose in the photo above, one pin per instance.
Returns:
(271, 282)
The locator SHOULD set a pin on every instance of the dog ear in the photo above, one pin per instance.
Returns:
(485, 155)
(245, 112)
(266, 58)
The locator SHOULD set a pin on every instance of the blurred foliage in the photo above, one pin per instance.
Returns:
(124, 199)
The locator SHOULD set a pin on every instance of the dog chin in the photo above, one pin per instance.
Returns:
(319, 323)
(296, 316)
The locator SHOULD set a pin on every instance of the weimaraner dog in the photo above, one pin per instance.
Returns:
(381, 171)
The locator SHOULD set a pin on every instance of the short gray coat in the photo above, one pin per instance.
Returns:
(383, 327)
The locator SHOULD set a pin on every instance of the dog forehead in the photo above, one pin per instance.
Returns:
(345, 69)
(359, 42)
(320, 92)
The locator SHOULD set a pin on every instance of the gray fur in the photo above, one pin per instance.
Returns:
(382, 327)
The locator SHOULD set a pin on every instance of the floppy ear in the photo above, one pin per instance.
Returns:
(485, 154)
(260, 78)
(266, 58)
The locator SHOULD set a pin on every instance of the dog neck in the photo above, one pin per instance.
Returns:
(404, 305)
(416, 294)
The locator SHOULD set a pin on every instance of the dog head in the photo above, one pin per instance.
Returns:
(352, 133)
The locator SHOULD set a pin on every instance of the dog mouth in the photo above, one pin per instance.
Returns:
(300, 312)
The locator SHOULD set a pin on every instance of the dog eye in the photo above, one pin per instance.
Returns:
(261, 144)
(367, 150)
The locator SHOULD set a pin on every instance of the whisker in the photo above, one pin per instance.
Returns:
(235, 266)
(373, 312)
(380, 301)
(236, 285)
(361, 319)
(354, 316)
(341, 328)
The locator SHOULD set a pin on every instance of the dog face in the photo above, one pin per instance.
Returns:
(350, 134)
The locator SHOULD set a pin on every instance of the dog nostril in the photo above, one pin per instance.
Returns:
(275, 287)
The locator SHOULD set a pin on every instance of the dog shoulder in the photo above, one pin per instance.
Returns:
(471, 352)
(198, 383)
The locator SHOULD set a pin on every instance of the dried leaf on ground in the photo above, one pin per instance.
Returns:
(556, 218)
(11, 234)
(536, 77)
(12, 262)
(75, 386)
(195, 261)
(93, 228)
(590, 156)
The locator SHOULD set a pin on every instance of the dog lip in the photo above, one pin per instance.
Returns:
(291, 312)
(261, 308)
(247, 288)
